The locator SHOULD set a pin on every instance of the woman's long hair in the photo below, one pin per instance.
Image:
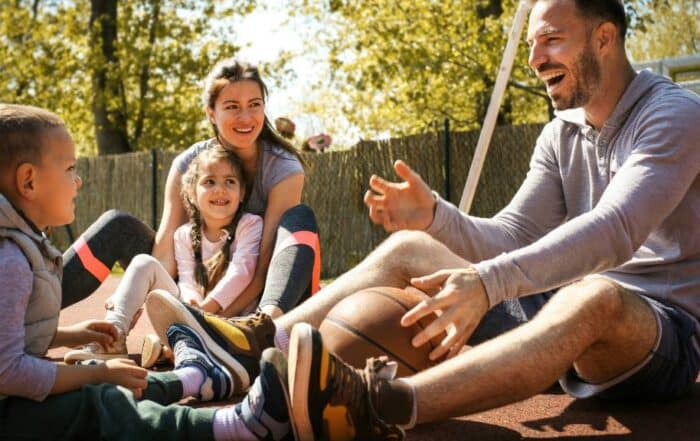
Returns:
(207, 274)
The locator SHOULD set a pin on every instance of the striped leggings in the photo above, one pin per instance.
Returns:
(116, 236)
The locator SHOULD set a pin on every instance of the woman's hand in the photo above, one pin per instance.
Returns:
(407, 205)
(100, 331)
(460, 302)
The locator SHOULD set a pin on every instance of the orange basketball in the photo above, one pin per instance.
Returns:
(367, 324)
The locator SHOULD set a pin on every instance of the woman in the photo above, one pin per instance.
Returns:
(288, 266)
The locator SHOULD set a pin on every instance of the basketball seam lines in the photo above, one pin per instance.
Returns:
(406, 308)
(385, 350)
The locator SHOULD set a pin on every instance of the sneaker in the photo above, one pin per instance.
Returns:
(265, 410)
(95, 351)
(190, 352)
(237, 342)
(331, 400)
(150, 351)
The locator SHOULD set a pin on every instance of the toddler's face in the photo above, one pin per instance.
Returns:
(56, 182)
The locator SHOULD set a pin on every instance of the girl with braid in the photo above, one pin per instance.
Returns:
(215, 253)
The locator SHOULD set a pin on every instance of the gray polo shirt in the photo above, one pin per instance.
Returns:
(623, 202)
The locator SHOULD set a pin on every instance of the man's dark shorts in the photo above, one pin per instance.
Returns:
(670, 370)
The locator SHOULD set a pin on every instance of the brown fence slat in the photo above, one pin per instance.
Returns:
(335, 184)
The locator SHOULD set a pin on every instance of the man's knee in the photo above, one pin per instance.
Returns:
(599, 296)
(408, 254)
(406, 243)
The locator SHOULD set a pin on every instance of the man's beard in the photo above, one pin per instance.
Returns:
(586, 75)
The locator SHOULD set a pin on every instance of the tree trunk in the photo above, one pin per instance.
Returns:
(110, 116)
(146, 71)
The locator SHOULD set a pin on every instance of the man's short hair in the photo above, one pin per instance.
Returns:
(605, 10)
(21, 132)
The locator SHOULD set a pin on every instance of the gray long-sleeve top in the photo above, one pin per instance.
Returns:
(623, 202)
(21, 374)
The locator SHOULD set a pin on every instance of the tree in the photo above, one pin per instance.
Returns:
(404, 65)
(673, 29)
(125, 76)
(398, 66)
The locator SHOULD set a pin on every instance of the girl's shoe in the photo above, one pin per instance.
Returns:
(151, 351)
(95, 351)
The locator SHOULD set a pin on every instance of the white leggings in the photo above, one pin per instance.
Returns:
(144, 274)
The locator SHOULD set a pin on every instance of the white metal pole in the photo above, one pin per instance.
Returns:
(482, 145)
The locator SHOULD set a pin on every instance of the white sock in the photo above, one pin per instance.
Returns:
(414, 412)
(191, 379)
(282, 340)
(229, 426)
(119, 320)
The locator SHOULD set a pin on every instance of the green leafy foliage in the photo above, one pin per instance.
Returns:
(401, 66)
(407, 65)
(666, 29)
(163, 49)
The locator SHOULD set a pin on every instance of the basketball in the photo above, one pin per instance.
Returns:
(368, 324)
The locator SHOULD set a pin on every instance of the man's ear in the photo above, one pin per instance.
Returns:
(25, 180)
(605, 37)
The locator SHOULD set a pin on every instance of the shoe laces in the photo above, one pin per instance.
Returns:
(182, 352)
(353, 387)
(252, 320)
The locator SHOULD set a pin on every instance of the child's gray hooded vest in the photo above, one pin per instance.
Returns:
(41, 317)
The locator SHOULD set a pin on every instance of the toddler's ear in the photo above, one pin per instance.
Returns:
(25, 180)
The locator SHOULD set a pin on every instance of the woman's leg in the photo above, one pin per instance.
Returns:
(115, 236)
(295, 268)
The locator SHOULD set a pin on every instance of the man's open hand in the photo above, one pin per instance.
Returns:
(407, 205)
(460, 302)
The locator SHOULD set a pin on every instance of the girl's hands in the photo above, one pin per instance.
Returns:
(100, 331)
(460, 301)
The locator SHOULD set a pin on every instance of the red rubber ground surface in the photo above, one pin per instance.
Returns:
(551, 415)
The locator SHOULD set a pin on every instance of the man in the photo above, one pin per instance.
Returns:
(606, 217)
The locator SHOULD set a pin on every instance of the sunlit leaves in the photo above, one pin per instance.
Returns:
(45, 60)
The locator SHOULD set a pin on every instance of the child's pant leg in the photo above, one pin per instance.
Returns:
(163, 388)
(101, 412)
(144, 274)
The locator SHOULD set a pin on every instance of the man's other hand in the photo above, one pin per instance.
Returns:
(407, 205)
(460, 303)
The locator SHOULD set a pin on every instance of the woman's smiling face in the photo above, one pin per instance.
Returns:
(239, 113)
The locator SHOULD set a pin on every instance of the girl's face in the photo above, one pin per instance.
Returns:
(218, 193)
(239, 113)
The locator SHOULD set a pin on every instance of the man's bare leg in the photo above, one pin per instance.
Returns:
(593, 325)
(400, 257)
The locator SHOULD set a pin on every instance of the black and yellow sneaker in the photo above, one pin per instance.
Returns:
(237, 342)
(330, 399)
(265, 409)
